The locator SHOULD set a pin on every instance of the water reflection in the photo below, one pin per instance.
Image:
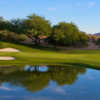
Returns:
(36, 78)
(42, 68)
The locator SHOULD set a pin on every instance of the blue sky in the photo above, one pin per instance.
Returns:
(84, 13)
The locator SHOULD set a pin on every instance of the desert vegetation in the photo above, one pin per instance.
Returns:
(34, 27)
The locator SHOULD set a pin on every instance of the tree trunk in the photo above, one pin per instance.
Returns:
(35, 39)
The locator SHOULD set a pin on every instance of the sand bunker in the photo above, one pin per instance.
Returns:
(9, 50)
(7, 58)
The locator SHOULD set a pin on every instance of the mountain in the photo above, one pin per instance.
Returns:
(98, 34)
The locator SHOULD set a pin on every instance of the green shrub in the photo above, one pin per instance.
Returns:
(12, 37)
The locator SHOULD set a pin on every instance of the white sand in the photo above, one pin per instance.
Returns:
(9, 50)
(7, 58)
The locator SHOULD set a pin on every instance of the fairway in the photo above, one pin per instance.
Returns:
(29, 55)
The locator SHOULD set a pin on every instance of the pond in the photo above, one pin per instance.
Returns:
(49, 83)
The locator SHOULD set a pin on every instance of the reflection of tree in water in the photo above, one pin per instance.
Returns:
(35, 81)
(67, 75)
(31, 81)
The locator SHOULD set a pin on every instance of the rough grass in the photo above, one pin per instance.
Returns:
(29, 55)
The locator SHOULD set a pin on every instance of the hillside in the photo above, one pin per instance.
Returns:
(97, 34)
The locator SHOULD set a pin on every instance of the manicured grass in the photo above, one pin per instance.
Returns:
(29, 55)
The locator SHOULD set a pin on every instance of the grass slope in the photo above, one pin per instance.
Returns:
(28, 55)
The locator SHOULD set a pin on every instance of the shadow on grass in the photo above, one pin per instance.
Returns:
(55, 49)
(40, 47)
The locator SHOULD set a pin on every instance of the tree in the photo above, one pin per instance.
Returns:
(37, 26)
(17, 26)
(97, 41)
(2, 23)
(1, 19)
(83, 38)
(66, 34)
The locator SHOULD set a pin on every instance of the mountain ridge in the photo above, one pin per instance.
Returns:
(98, 34)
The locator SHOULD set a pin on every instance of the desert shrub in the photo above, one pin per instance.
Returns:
(12, 37)
(67, 34)
(98, 42)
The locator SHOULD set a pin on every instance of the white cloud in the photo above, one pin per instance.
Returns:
(58, 90)
(88, 4)
(7, 89)
(91, 4)
(52, 9)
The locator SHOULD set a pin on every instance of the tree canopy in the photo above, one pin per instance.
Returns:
(35, 26)
(67, 34)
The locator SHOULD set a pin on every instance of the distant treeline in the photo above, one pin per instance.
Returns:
(34, 27)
